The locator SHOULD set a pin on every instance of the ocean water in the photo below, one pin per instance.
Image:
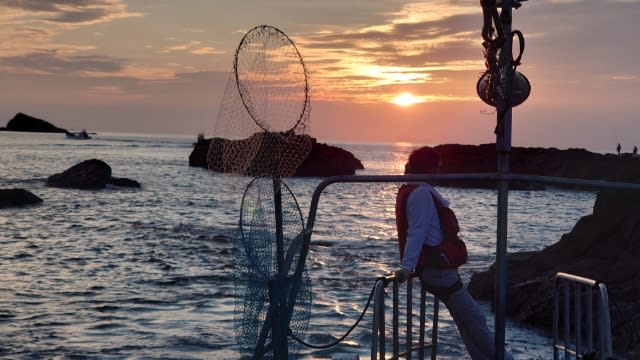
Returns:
(148, 273)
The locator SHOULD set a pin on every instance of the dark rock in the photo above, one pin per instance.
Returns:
(604, 246)
(17, 197)
(323, 160)
(91, 174)
(198, 156)
(123, 182)
(326, 160)
(570, 163)
(24, 122)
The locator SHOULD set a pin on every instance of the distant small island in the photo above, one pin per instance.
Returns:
(326, 160)
(323, 160)
(26, 123)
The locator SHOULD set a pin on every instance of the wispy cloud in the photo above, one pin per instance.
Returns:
(70, 12)
(30, 38)
(206, 51)
(624, 77)
(50, 62)
(182, 47)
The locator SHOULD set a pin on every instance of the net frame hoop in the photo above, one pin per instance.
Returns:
(246, 193)
(304, 71)
(256, 182)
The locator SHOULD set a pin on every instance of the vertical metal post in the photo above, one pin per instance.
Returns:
(382, 342)
(423, 319)
(578, 319)
(409, 317)
(279, 288)
(589, 306)
(395, 319)
(556, 319)
(503, 144)
(378, 297)
(434, 330)
(567, 319)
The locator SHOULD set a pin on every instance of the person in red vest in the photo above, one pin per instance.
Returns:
(419, 235)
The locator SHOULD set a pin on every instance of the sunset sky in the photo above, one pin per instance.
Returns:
(160, 66)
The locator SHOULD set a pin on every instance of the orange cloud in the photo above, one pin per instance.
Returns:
(417, 48)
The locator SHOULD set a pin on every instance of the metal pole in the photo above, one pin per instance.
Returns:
(279, 292)
(503, 144)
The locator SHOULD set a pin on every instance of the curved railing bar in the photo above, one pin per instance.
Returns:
(596, 184)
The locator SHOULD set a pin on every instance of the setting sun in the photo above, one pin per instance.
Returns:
(405, 99)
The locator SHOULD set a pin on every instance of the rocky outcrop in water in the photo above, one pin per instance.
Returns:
(323, 160)
(570, 163)
(604, 246)
(17, 197)
(91, 174)
(26, 123)
(327, 160)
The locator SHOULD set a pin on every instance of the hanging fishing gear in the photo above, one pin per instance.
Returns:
(261, 131)
(500, 73)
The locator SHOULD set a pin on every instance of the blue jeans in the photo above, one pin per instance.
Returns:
(466, 313)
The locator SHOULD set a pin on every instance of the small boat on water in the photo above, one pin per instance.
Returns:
(82, 135)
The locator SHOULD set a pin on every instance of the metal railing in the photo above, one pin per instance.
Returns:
(579, 289)
(378, 334)
(501, 239)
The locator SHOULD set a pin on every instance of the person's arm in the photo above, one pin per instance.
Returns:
(419, 211)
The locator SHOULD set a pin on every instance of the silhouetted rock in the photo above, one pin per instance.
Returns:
(604, 246)
(326, 160)
(17, 197)
(123, 182)
(323, 160)
(24, 122)
(570, 163)
(91, 174)
(198, 156)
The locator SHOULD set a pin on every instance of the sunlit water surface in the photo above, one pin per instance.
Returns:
(148, 273)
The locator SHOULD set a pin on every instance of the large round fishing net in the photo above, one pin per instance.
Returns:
(265, 110)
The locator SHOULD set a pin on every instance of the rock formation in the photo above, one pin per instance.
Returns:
(571, 163)
(323, 160)
(91, 174)
(326, 160)
(604, 246)
(24, 122)
(17, 197)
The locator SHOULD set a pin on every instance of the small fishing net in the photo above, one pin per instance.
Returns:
(259, 259)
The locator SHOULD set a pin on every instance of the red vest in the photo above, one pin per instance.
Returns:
(451, 253)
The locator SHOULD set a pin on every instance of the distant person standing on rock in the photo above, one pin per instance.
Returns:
(635, 150)
(618, 148)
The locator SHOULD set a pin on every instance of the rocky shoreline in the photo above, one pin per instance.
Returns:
(569, 163)
(604, 246)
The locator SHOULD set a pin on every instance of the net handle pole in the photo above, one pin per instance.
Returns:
(279, 323)
(503, 144)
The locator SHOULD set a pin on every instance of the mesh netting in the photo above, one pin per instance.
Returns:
(265, 109)
(258, 255)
